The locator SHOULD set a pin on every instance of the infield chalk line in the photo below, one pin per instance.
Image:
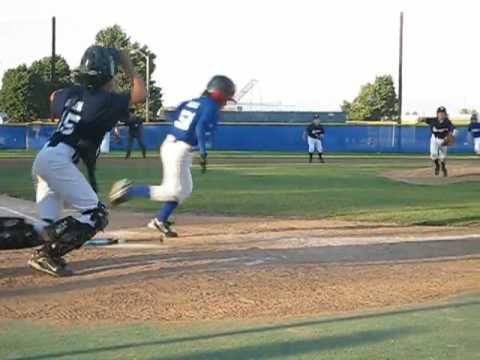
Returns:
(18, 213)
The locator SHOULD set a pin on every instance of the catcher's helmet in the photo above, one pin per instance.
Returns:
(221, 88)
(98, 66)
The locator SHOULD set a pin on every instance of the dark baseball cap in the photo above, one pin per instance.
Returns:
(442, 109)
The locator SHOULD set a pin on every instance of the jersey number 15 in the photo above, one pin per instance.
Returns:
(70, 118)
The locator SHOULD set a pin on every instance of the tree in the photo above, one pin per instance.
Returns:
(466, 111)
(115, 36)
(16, 95)
(377, 101)
(43, 86)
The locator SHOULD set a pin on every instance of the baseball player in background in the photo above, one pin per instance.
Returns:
(191, 121)
(443, 132)
(135, 131)
(314, 134)
(474, 130)
(86, 111)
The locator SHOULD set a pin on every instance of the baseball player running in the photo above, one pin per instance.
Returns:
(314, 134)
(474, 130)
(442, 129)
(192, 120)
(86, 112)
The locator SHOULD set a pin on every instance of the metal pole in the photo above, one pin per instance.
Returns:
(400, 71)
(147, 100)
(52, 60)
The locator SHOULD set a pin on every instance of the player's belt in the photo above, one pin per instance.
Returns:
(173, 139)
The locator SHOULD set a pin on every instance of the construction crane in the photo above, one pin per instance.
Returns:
(245, 90)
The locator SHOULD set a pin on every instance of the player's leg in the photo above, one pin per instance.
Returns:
(320, 151)
(171, 153)
(434, 154)
(129, 146)
(141, 143)
(443, 159)
(311, 148)
(477, 145)
(49, 203)
(68, 233)
(181, 184)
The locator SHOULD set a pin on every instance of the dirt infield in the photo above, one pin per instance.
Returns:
(456, 173)
(227, 268)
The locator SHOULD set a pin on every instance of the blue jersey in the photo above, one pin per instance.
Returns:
(193, 119)
(474, 129)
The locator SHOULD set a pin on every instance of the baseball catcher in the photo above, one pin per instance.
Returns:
(86, 111)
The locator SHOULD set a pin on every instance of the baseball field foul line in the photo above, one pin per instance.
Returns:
(18, 213)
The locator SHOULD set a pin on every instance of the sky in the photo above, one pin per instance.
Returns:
(303, 52)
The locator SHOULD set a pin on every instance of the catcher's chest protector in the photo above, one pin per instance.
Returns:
(15, 233)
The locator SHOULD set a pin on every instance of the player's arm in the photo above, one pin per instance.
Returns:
(452, 129)
(55, 108)
(208, 117)
(138, 93)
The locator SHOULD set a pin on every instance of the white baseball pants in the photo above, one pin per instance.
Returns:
(476, 142)
(58, 181)
(438, 151)
(315, 144)
(177, 184)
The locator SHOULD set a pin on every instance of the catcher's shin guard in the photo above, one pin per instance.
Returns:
(68, 234)
(15, 233)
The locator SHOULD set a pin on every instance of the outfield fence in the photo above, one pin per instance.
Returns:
(266, 137)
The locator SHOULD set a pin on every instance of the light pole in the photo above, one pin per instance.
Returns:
(147, 80)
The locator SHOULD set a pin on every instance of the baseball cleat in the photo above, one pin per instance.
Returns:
(119, 192)
(50, 265)
(164, 227)
(445, 172)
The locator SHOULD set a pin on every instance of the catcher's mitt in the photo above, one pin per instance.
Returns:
(15, 233)
(449, 140)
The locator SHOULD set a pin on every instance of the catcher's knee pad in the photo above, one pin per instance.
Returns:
(98, 216)
(66, 235)
(15, 233)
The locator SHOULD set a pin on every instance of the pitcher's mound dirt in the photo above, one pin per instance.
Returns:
(425, 176)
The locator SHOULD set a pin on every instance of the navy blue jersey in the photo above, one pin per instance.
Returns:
(86, 116)
(440, 129)
(474, 129)
(315, 131)
(135, 125)
(193, 119)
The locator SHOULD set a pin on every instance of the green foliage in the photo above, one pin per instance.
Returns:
(44, 85)
(466, 111)
(377, 101)
(16, 95)
(115, 36)
(25, 90)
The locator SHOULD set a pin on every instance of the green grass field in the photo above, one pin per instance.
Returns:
(446, 331)
(349, 188)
